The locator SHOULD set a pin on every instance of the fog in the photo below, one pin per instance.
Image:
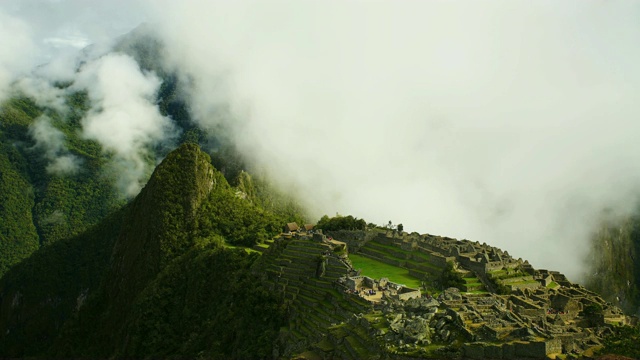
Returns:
(124, 118)
(511, 123)
(51, 141)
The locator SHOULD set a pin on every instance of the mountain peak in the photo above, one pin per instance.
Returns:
(161, 218)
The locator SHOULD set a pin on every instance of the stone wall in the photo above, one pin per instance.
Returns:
(354, 282)
(408, 293)
(475, 266)
(355, 239)
(518, 349)
(439, 260)
(531, 285)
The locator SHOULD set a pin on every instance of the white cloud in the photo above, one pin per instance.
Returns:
(42, 92)
(16, 50)
(51, 140)
(124, 117)
(508, 123)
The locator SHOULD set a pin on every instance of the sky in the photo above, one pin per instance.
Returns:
(507, 122)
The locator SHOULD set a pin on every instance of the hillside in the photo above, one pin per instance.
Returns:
(106, 292)
(41, 205)
(193, 268)
(613, 263)
(536, 314)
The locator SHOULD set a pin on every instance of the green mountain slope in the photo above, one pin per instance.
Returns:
(39, 207)
(158, 228)
(137, 282)
(44, 291)
(18, 237)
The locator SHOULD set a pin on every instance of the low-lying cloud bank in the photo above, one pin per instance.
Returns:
(124, 118)
(51, 141)
(511, 124)
(507, 123)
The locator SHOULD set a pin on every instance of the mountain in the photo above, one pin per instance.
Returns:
(176, 272)
(196, 264)
(39, 206)
(142, 267)
(614, 263)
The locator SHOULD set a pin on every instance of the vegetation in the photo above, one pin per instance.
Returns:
(204, 304)
(269, 197)
(38, 206)
(237, 220)
(496, 277)
(18, 236)
(450, 277)
(624, 341)
(614, 268)
(341, 223)
(148, 276)
(45, 290)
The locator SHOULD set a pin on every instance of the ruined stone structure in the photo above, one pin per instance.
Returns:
(345, 314)
(541, 314)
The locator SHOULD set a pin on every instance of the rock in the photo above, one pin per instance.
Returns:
(396, 327)
(444, 334)
(415, 330)
(432, 303)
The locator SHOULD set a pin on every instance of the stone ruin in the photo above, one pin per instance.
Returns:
(543, 314)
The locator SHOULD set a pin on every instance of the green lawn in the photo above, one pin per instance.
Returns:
(377, 269)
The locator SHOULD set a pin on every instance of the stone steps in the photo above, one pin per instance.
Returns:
(299, 255)
(387, 249)
(356, 347)
(305, 248)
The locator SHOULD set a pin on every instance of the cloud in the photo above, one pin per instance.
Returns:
(42, 92)
(51, 140)
(511, 124)
(124, 118)
(17, 49)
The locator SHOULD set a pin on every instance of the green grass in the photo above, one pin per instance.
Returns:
(377, 269)
(248, 250)
(553, 285)
(472, 281)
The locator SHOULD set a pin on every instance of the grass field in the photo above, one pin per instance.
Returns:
(377, 269)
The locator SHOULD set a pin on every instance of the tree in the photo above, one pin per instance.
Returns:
(341, 223)
(450, 277)
(400, 228)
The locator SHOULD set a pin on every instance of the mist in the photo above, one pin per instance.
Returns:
(124, 118)
(510, 123)
(51, 141)
(16, 43)
(507, 123)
